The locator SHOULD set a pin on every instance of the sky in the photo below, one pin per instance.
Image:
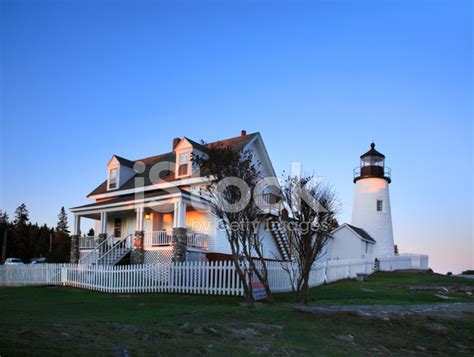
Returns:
(83, 80)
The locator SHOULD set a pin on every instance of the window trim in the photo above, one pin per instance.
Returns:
(178, 165)
(117, 178)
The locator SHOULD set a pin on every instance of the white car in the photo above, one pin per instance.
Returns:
(13, 261)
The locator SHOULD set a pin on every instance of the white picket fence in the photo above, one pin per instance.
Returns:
(217, 278)
(404, 262)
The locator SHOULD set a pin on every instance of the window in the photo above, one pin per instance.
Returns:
(183, 164)
(118, 227)
(113, 178)
(379, 205)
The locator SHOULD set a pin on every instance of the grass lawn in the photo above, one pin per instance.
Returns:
(58, 321)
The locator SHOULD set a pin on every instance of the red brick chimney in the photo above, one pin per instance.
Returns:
(243, 133)
(176, 142)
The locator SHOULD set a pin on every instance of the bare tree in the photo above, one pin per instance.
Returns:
(234, 176)
(312, 207)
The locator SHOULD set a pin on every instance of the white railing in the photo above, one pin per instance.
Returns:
(197, 240)
(218, 278)
(106, 251)
(164, 238)
(88, 242)
(157, 238)
(117, 251)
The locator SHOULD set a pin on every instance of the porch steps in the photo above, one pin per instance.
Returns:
(281, 237)
(107, 253)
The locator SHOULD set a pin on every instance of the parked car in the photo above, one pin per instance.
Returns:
(13, 261)
(38, 260)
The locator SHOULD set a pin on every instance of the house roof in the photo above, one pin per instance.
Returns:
(372, 152)
(236, 143)
(131, 197)
(359, 231)
(124, 161)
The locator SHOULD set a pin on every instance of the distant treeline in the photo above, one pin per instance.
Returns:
(22, 239)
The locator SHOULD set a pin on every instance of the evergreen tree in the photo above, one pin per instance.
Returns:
(4, 233)
(22, 216)
(20, 242)
(62, 226)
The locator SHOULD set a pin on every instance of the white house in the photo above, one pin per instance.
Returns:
(145, 205)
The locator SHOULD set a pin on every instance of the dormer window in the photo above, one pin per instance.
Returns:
(183, 164)
(113, 178)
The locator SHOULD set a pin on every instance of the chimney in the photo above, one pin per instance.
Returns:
(176, 142)
(243, 133)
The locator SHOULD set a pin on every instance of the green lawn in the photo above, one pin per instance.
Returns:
(58, 321)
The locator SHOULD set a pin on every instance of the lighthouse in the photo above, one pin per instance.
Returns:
(371, 210)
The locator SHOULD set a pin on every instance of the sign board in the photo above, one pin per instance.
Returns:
(258, 289)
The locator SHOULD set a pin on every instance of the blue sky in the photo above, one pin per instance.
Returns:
(84, 80)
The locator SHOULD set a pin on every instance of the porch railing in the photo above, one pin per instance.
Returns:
(88, 242)
(197, 240)
(164, 238)
(157, 238)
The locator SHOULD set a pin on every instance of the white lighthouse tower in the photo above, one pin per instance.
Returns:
(371, 210)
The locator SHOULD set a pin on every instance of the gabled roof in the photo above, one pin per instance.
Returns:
(124, 161)
(362, 234)
(236, 143)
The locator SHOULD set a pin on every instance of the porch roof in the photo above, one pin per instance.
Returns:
(147, 196)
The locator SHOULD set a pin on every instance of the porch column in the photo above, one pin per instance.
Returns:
(179, 232)
(137, 255)
(74, 256)
(139, 220)
(103, 227)
(179, 214)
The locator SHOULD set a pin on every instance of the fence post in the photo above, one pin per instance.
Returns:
(63, 275)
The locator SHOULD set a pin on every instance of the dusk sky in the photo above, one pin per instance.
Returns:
(82, 81)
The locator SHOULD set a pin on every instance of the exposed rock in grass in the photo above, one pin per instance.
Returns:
(365, 290)
(454, 310)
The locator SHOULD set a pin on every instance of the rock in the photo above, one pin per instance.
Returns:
(444, 297)
(184, 325)
(347, 338)
(65, 334)
(267, 326)
(420, 348)
(126, 328)
(120, 351)
(365, 290)
(211, 330)
(445, 290)
(437, 328)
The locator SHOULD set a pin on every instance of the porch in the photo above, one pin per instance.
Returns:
(156, 219)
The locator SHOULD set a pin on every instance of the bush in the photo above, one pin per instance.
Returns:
(468, 272)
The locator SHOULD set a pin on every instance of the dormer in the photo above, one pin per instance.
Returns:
(119, 171)
(184, 149)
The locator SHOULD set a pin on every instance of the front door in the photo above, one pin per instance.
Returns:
(118, 228)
